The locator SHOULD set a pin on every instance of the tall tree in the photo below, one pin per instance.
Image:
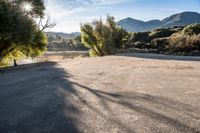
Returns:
(103, 38)
(15, 28)
(19, 31)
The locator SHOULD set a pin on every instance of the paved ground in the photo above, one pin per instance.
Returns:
(98, 95)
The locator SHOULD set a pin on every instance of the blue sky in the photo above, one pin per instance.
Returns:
(69, 14)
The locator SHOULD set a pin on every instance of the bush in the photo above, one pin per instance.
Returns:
(139, 45)
(161, 33)
(140, 37)
(184, 43)
(176, 40)
(103, 38)
(193, 29)
(160, 44)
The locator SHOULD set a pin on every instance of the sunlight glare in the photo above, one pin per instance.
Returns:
(27, 7)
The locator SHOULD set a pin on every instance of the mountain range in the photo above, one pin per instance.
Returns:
(180, 19)
(134, 25)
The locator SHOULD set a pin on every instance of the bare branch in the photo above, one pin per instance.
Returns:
(47, 24)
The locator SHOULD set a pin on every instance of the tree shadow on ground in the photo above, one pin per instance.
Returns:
(43, 99)
(31, 102)
(126, 100)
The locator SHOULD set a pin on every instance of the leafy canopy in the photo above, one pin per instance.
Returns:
(103, 38)
(19, 33)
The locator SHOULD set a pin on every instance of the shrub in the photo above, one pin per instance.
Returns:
(161, 44)
(184, 43)
(193, 29)
(140, 37)
(139, 45)
(103, 38)
(160, 33)
(177, 40)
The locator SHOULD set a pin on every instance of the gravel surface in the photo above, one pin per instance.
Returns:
(123, 93)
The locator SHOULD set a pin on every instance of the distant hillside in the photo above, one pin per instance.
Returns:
(62, 35)
(180, 19)
(58, 41)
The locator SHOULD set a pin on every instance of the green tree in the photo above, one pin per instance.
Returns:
(38, 6)
(19, 33)
(103, 38)
(120, 35)
(36, 47)
(16, 29)
(89, 40)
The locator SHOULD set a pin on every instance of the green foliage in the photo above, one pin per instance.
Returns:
(184, 43)
(160, 33)
(160, 44)
(89, 40)
(187, 41)
(77, 43)
(140, 37)
(15, 28)
(103, 38)
(139, 45)
(144, 39)
(191, 29)
(178, 40)
(119, 35)
(19, 34)
(15, 54)
(121, 38)
(37, 47)
(38, 6)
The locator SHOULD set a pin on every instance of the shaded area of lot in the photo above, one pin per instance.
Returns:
(30, 100)
(76, 96)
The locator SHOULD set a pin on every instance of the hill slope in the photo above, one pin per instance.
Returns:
(62, 35)
(180, 19)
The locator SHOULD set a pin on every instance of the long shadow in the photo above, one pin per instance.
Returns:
(42, 99)
(32, 102)
(161, 56)
(168, 103)
(104, 104)
(39, 98)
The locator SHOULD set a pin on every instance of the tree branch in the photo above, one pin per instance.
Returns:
(47, 24)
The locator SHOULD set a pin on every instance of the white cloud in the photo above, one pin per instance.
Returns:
(72, 4)
(68, 14)
(81, 4)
